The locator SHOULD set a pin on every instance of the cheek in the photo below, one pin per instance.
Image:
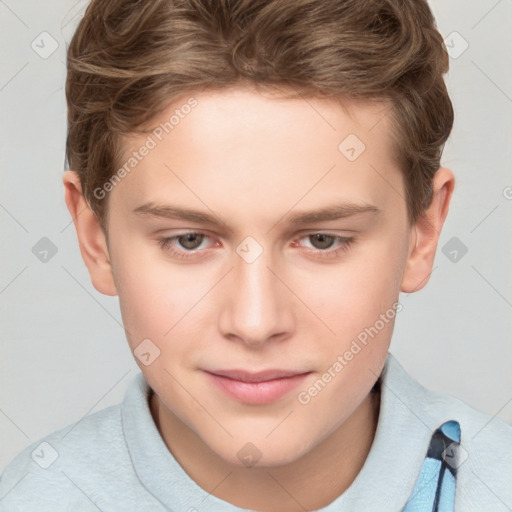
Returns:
(352, 295)
(359, 302)
(154, 295)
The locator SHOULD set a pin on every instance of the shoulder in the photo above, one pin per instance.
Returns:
(80, 467)
(478, 428)
(484, 469)
(43, 473)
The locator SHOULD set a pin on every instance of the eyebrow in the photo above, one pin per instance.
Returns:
(333, 212)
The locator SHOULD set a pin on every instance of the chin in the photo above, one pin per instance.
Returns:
(261, 453)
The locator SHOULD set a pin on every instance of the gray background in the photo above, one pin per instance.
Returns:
(63, 350)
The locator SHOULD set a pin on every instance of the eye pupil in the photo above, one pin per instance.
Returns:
(325, 241)
(190, 240)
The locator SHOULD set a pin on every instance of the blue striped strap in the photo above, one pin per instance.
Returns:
(435, 488)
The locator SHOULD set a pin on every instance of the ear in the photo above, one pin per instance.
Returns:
(426, 231)
(91, 238)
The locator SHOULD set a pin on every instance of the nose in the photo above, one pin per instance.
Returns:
(257, 307)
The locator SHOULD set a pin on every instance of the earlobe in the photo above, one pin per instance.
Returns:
(427, 230)
(91, 238)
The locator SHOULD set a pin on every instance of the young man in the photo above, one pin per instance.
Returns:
(258, 181)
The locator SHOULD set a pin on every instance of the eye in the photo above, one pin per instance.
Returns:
(190, 241)
(322, 240)
(327, 245)
(183, 245)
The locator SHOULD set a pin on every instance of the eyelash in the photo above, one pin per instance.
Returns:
(166, 244)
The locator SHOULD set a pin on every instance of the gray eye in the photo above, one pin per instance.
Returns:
(190, 240)
(321, 241)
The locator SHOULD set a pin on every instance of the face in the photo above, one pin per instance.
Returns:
(254, 235)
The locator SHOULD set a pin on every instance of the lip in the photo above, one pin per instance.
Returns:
(256, 388)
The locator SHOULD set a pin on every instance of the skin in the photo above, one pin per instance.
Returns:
(253, 160)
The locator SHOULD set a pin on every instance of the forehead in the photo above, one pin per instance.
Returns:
(218, 143)
(243, 113)
(250, 112)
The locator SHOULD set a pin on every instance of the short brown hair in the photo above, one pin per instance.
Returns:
(129, 59)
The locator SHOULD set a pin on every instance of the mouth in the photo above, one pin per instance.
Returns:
(256, 388)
